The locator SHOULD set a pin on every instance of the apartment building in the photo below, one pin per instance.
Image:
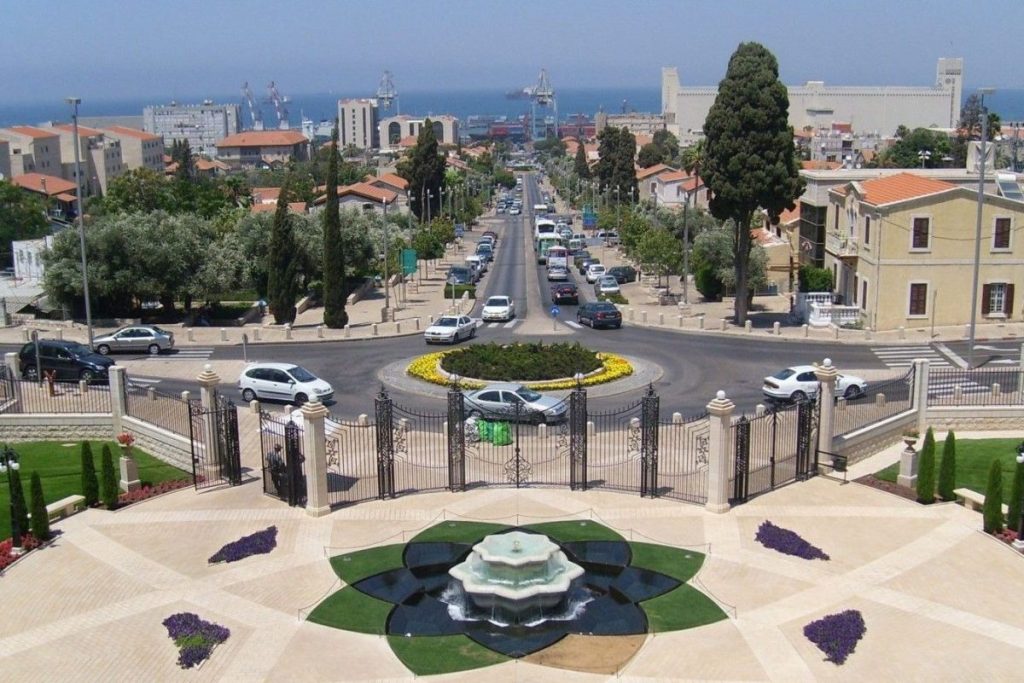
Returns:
(357, 123)
(263, 148)
(100, 157)
(901, 248)
(202, 125)
(394, 129)
(32, 150)
(5, 160)
(139, 149)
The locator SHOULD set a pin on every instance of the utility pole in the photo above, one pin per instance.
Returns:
(977, 230)
(74, 102)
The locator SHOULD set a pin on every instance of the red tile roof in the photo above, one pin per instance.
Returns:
(83, 131)
(266, 194)
(210, 164)
(652, 170)
(294, 207)
(819, 165)
(34, 183)
(897, 188)
(673, 177)
(32, 131)
(132, 132)
(371, 192)
(392, 179)
(790, 215)
(263, 138)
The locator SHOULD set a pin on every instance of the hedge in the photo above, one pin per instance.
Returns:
(459, 290)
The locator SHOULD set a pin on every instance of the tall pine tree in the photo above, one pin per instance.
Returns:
(335, 315)
(926, 470)
(581, 167)
(90, 485)
(40, 518)
(282, 264)
(19, 511)
(424, 169)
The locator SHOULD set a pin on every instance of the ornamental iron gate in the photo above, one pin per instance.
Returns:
(683, 458)
(216, 454)
(284, 465)
(353, 471)
(774, 449)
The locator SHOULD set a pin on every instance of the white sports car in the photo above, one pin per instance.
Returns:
(799, 382)
(449, 329)
(499, 308)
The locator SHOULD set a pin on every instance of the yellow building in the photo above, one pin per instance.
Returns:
(901, 249)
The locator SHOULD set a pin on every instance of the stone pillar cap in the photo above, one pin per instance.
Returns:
(314, 409)
(208, 378)
(826, 372)
(721, 405)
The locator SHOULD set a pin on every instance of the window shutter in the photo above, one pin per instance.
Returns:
(1009, 301)
(986, 299)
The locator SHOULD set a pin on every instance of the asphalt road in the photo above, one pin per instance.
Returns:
(694, 366)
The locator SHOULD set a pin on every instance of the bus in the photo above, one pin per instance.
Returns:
(541, 226)
(538, 209)
(558, 256)
(543, 242)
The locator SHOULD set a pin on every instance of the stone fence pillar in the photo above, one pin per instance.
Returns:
(208, 381)
(720, 412)
(827, 375)
(922, 368)
(118, 405)
(314, 447)
(13, 365)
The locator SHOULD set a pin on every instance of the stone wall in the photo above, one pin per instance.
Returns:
(56, 427)
(869, 440)
(975, 418)
(161, 444)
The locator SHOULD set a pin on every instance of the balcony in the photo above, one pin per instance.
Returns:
(842, 247)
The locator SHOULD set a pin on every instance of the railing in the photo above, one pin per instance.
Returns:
(160, 409)
(833, 314)
(881, 400)
(19, 396)
(978, 387)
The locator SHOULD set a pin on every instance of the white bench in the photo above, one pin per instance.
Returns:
(65, 506)
(973, 499)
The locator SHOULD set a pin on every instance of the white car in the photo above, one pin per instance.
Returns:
(799, 382)
(606, 284)
(282, 382)
(594, 272)
(477, 263)
(449, 329)
(499, 308)
(558, 274)
(498, 401)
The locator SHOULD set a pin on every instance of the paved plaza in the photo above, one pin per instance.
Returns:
(940, 599)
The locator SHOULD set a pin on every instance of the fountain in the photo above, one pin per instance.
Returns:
(516, 577)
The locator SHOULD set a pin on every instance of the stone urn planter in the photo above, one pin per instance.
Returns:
(129, 468)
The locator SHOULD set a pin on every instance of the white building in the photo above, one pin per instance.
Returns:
(394, 129)
(203, 125)
(869, 109)
(28, 258)
(357, 123)
(99, 155)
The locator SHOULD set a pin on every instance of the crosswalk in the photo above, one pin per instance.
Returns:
(504, 325)
(185, 353)
(573, 324)
(903, 356)
(939, 386)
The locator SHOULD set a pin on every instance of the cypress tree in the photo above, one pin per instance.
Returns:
(108, 479)
(335, 315)
(282, 278)
(581, 167)
(90, 487)
(992, 512)
(1017, 490)
(947, 468)
(424, 168)
(19, 512)
(40, 518)
(926, 470)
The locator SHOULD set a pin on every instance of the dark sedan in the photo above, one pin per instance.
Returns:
(600, 314)
(622, 274)
(565, 294)
(585, 263)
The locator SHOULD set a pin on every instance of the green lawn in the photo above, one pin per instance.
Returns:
(678, 563)
(426, 656)
(60, 468)
(458, 532)
(684, 607)
(973, 459)
(356, 566)
(569, 531)
(352, 610)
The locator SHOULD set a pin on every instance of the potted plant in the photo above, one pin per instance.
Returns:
(910, 436)
(129, 468)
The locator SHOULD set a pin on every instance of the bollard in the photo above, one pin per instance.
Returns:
(958, 394)
(661, 318)
(903, 333)
(256, 334)
(590, 428)
(995, 388)
(186, 395)
(776, 328)
(60, 333)
(362, 420)
(404, 425)
(700, 321)
(760, 409)
(879, 400)
(223, 334)
(191, 335)
(254, 406)
(373, 329)
(348, 331)
(748, 326)
(629, 314)
(287, 330)
(430, 319)
(806, 329)
(634, 423)
(967, 331)
(724, 324)
(867, 333)
(835, 331)
(320, 331)
(416, 321)
(677, 418)
(288, 408)
(398, 327)
(151, 393)
(542, 431)
(680, 319)
(643, 317)
(83, 386)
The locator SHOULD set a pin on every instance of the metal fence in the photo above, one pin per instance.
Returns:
(882, 399)
(18, 396)
(978, 387)
(283, 463)
(352, 465)
(163, 410)
(773, 449)
(683, 458)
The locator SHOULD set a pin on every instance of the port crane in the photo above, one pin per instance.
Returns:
(386, 93)
(254, 111)
(279, 103)
(542, 95)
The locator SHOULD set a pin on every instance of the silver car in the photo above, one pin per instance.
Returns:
(148, 338)
(500, 400)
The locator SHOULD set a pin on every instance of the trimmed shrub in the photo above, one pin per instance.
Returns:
(40, 519)
(19, 512)
(90, 486)
(837, 634)
(947, 468)
(194, 637)
(108, 479)
(1016, 491)
(613, 298)
(259, 543)
(787, 542)
(926, 470)
(458, 291)
(521, 362)
(992, 513)
(813, 279)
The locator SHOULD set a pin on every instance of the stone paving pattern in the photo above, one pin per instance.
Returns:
(941, 600)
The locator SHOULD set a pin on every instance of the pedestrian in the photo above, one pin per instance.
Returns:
(278, 470)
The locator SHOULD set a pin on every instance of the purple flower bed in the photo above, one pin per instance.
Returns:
(788, 542)
(837, 634)
(259, 543)
(194, 637)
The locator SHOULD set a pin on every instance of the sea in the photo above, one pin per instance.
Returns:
(1009, 104)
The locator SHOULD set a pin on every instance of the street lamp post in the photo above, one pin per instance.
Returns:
(386, 313)
(924, 155)
(977, 227)
(74, 102)
(8, 464)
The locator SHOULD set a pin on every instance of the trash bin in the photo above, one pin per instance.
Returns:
(501, 434)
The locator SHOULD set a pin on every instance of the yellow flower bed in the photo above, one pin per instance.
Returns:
(428, 367)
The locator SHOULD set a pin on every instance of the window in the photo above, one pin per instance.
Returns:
(867, 229)
(1001, 234)
(863, 295)
(920, 236)
(835, 220)
(918, 298)
(997, 299)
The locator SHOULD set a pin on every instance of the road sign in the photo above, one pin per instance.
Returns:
(555, 310)
(408, 261)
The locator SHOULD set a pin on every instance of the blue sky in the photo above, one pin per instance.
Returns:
(160, 47)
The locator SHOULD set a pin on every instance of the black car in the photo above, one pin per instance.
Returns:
(586, 262)
(565, 294)
(68, 360)
(579, 256)
(622, 274)
(600, 314)
(457, 275)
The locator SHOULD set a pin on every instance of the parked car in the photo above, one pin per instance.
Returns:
(606, 284)
(148, 338)
(493, 235)
(460, 275)
(282, 382)
(586, 263)
(68, 360)
(565, 294)
(499, 308)
(487, 239)
(499, 400)
(558, 273)
(599, 314)
(594, 271)
(608, 236)
(579, 256)
(623, 274)
(799, 383)
(449, 329)
(486, 251)
(477, 263)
